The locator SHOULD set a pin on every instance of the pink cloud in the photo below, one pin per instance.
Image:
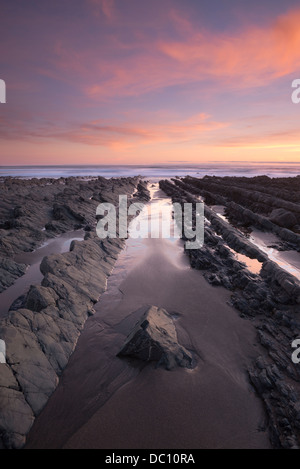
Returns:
(117, 64)
(251, 57)
(243, 59)
(104, 133)
(131, 63)
(121, 62)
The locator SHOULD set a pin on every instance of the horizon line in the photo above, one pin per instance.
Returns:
(148, 165)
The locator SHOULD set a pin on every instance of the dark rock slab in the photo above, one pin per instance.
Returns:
(283, 218)
(9, 272)
(40, 297)
(154, 338)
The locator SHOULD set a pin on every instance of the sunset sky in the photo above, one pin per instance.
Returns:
(136, 82)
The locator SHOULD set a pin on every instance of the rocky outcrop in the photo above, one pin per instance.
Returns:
(222, 268)
(242, 216)
(283, 218)
(34, 210)
(39, 298)
(283, 284)
(9, 272)
(270, 299)
(154, 338)
(246, 192)
(41, 335)
(249, 201)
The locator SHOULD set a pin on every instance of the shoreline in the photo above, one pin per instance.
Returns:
(110, 407)
(239, 326)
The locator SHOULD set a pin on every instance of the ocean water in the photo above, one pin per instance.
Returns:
(155, 172)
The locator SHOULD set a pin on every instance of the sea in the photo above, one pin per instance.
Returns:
(155, 171)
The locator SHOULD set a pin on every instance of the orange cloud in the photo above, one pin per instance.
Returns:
(100, 65)
(113, 68)
(250, 58)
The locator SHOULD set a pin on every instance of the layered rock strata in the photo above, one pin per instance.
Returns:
(270, 298)
(42, 334)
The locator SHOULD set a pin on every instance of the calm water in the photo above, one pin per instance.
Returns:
(155, 171)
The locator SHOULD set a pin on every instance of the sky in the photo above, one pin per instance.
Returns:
(136, 82)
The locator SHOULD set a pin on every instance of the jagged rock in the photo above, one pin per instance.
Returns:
(9, 272)
(213, 279)
(283, 218)
(16, 417)
(287, 286)
(62, 212)
(19, 303)
(40, 297)
(154, 338)
(29, 364)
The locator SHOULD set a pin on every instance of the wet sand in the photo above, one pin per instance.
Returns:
(103, 401)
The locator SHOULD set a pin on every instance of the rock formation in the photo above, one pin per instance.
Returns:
(271, 298)
(154, 338)
(42, 334)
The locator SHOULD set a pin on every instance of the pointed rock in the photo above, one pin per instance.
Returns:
(154, 338)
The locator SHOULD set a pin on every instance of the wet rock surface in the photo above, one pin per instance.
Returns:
(154, 338)
(35, 210)
(41, 334)
(9, 272)
(268, 203)
(270, 298)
